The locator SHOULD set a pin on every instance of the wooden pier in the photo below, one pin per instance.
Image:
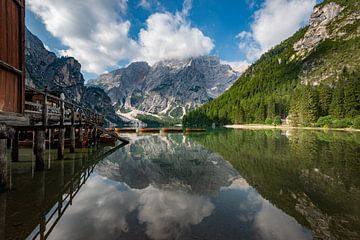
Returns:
(29, 115)
(51, 120)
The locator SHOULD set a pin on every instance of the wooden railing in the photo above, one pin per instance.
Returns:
(49, 109)
(51, 217)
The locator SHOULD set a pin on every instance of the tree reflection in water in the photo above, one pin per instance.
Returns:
(218, 185)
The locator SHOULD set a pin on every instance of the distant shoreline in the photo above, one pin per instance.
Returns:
(287, 127)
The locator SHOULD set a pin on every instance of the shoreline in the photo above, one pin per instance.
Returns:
(286, 127)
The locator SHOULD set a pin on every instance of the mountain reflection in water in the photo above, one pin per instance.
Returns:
(218, 185)
(169, 187)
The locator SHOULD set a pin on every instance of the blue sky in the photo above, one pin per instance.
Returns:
(106, 34)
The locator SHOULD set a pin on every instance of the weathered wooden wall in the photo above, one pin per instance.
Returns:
(12, 55)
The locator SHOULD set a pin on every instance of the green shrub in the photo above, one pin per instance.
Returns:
(268, 121)
(324, 121)
(341, 123)
(356, 122)
(277, 120)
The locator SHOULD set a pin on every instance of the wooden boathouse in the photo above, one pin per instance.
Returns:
(38, 116)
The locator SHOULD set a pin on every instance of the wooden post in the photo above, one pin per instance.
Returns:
(61, 143)
(45, 108)
(72, 131)
(72, 139)
(61, 137)
(39, 150)
(52, 138)
(94, 136)
(15, 147)
(3, 157)
(49, 152)
(81, 134)
(40, 137)
(86, 134)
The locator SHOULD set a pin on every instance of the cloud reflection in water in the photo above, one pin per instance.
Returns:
(178, 191)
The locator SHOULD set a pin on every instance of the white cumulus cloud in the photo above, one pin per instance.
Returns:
(93, 30)
(169, 36)
(97, 33)
(275, 21)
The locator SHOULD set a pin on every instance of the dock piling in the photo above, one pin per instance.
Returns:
(15, 147)
(3, 159)
(39, 150)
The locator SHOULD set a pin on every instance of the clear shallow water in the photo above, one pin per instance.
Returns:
(219, 185)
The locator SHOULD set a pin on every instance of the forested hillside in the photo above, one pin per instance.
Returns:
(313, 74)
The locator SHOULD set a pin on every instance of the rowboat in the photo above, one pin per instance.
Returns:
(149, 130)
(172, 130)
(125, 130)
(188, 130)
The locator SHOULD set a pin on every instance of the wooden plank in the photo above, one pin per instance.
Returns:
(3, 30)
(21, 103)
(12, 56)
(13, 35)
(9, 105)
(8, 67)
(2, 90)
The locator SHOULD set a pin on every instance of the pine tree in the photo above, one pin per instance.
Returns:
(351, 96)
(309, 106)
(337, 103)
(325, 98)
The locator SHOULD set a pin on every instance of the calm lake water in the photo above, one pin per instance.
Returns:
(230, 184)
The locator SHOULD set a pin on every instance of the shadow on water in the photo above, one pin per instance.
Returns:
(37, 200)
(218, 185)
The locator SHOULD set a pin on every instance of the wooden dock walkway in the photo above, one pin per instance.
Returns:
(51, 119)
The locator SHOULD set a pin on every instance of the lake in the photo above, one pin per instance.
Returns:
(223, 184)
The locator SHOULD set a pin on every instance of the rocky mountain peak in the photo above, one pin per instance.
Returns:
(44, 68)
(168, 88)
(328, 21)
(325, 14)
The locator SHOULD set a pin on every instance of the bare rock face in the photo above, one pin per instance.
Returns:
(97, 99)
(170, 88)
(44, 68)
(317, 32)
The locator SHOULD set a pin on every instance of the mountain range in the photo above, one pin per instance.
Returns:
(168, 89)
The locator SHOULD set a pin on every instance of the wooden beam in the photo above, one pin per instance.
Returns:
(13, 119)
(10, 68)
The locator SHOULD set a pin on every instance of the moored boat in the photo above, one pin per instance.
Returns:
(172, 130)
(149, 130)
(125, 130)
(188, 130)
